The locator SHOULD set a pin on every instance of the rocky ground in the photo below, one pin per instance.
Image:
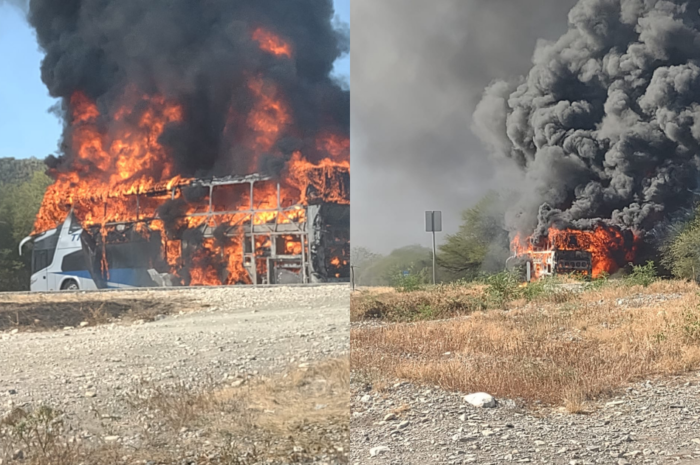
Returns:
(221, 336)
(653, 422)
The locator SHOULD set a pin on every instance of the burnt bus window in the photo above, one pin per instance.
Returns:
(131, 255)
(75, 262)
(40, 260)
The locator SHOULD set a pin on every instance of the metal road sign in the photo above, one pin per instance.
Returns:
(433, 221)
(433, 224)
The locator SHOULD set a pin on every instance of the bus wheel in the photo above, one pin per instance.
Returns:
(70, 285)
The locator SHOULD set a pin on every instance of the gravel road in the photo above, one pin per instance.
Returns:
(653, 422)
(219, 334)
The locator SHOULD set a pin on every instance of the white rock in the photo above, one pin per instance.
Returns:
(481, 400)
(615, 403)
(111, 438)
(374, 451)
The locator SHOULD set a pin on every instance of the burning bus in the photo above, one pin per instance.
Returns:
(220, 231)
(216, 154)
(601, 250)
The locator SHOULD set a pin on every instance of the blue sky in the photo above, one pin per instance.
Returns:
(27, 129)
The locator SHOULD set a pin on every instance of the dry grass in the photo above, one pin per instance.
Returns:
(442, 302)
(296, 417)
(40, 437)
(456, 299)
(563, 353)
(51, 314)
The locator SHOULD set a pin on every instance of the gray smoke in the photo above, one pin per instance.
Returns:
(202, 55)
(606, 125)
(418, 70)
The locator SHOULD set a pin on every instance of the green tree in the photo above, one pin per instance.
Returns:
(383, 270)
(481, 244)
(19, 203)
(19, 171)
(681, 254)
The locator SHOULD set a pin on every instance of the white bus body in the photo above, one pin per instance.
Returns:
(60, 263)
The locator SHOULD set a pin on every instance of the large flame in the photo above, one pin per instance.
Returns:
(610, 248)
(112, 164)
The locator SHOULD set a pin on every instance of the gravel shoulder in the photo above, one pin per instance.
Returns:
(652, 422)
(212, 336)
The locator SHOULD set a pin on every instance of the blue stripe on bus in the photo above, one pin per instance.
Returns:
(124, 277)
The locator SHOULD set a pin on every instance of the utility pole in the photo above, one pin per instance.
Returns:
(433, 224)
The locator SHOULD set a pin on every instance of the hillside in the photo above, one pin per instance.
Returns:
(17, 171)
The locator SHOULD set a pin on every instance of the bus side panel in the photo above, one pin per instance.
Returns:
(39, 282)
(82, 278)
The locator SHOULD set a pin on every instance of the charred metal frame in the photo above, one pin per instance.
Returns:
(550, 261)
(306, 231)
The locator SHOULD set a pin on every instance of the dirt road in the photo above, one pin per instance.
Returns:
(197, 337)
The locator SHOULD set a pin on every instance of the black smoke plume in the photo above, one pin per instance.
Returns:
(606, 125)
(418, 70)
(202, 55)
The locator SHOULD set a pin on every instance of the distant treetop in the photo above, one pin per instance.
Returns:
(13, 170)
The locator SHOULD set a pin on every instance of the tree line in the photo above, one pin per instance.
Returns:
(22, 187)
(480, 246)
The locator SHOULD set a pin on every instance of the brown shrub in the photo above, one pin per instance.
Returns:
(437, 303)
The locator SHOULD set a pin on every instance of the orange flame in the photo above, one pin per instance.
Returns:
(609, 247)
(271, 43)
(112, 168)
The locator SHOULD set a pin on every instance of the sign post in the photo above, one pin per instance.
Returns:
(433, 224)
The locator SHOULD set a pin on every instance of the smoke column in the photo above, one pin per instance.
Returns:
(418, 70)
(216, 58)
(606, 125)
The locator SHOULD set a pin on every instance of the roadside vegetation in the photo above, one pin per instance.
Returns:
(300, 416)
(565, 341)
(553, 342)
(22, 187)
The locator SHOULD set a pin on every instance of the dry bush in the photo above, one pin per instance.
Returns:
(556, 352)
(176, 405)
(301, 416)
(444, 301)
(441, 302)
(288, 418)
(96, 315)
(56, 312)
(40, 437)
